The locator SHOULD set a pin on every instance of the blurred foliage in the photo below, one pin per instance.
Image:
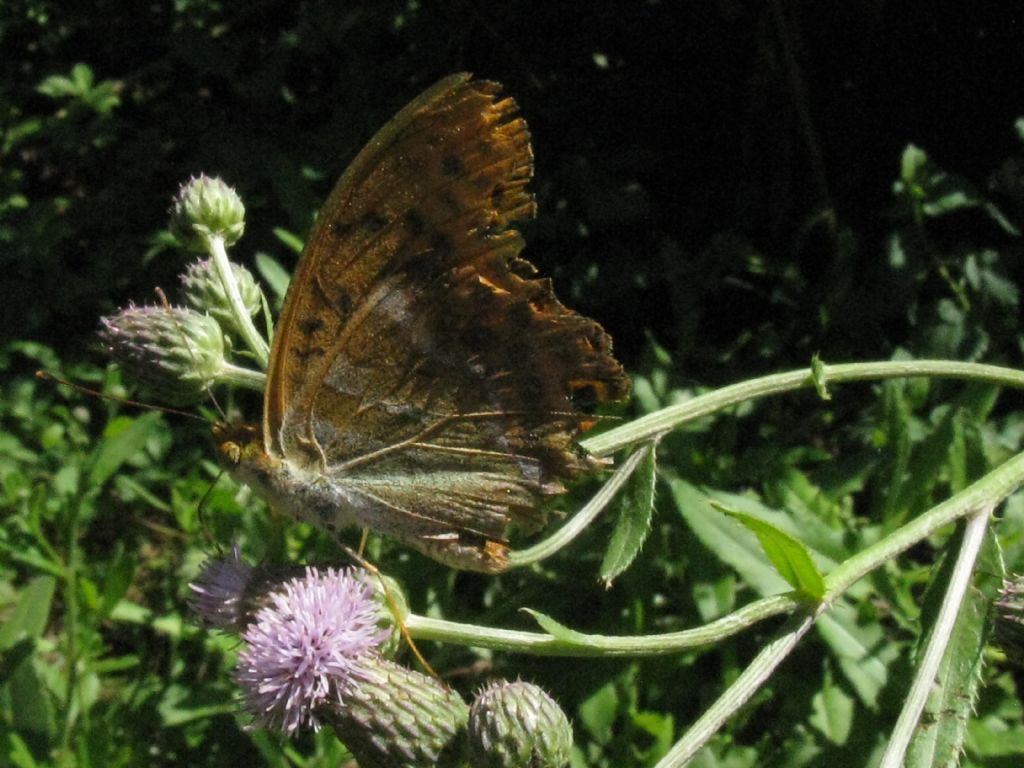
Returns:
(728, 187)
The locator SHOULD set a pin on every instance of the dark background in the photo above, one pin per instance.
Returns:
(722, 179)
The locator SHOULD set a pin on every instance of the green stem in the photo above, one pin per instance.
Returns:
(927, 671)
(570, 643)
(738, 694)
(243, 322)
(999, 483)
(579, 522)
(237, 376)
(658, 423)
(986, 493)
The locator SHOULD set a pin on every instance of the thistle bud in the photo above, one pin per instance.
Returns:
(175, 352)
(204, 291)
(393, 717)
(206, 207)
(512, 725)
(1009, 622)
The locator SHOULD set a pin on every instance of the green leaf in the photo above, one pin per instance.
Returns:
(862, 649)
(289, 240)
(635, 505)
(932, 190)
(733, 546)
(275, 276)
(31, 709)
(818, 375)
(555, 629)
(789, 556)
(18, 752)
(123, 439)
(833, 712)
(30, 615)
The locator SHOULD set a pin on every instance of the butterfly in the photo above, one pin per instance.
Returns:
(423, 383)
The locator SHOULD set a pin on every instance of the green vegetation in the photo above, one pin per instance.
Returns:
(730, 191)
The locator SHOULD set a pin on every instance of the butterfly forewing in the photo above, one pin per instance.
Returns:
(417, 363)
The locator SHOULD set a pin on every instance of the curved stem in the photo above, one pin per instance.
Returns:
(986, 493)
(243, 322)
(655, 424)
(570, 643)
(579, 522)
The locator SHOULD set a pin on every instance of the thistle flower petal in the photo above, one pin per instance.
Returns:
(307, 646)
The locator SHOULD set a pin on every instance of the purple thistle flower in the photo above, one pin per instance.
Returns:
(307, 646)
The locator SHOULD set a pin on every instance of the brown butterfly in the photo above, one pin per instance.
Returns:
(422, 383)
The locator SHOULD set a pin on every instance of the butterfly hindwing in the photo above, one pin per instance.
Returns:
(417, 362)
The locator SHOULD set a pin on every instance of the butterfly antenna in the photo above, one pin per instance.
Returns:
(49, 377)
(201, 510)
(390, 598)
(184, 338)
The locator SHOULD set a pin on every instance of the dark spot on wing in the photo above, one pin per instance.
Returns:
(449, 201)
(585, 395)
(373, 222)
(498, 195)
(304, 353)
(339, 228)
(480, 337)
(444, 252)
(310, 325)
(451, 166)
(414, 222)
(343, 303)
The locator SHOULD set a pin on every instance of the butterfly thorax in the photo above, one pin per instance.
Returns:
(299, 492)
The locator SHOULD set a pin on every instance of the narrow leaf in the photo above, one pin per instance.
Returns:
(555, 629)
(123, 439)
(635, 505)
(30, 615)
(789, 556)
(276, 277)
(735, 547)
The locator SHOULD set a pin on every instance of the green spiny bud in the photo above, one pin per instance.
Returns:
(393, 717)
(517, 725)
(204, 291)
(206, 207)
(1009, 623)
(177, 353)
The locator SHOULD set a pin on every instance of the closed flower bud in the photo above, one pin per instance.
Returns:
(1009, 623)
(176, 353)
(393, 717)
(517, 725)
(206, 207)
(204, 291)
